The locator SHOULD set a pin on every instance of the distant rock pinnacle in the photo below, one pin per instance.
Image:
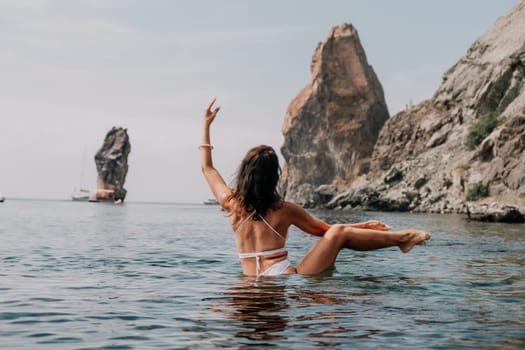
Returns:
(112, 163)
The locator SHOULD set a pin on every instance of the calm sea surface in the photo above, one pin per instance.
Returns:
(166, 276)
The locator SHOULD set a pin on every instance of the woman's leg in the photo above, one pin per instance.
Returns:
(323, 254)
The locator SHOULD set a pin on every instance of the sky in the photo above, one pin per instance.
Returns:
(72, 69)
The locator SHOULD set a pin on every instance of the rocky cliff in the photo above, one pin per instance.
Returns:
(112, 165)
(331, 127)
(463, 149)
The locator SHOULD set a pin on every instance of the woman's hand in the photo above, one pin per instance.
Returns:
(374, 225)
(209, 114)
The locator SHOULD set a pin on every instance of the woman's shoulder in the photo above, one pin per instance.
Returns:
(295, 212)
(289, 208)
(290, 205)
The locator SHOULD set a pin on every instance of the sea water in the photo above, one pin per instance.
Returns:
(166, 276)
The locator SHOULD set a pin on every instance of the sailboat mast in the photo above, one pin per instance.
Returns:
(82, 167)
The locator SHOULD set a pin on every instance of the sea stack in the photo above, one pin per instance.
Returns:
(112, 165)
(331, 127)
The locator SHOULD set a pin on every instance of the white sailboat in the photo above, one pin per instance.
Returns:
(81, 194)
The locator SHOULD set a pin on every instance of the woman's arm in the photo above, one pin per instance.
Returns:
(317, 227)
(305, 221)
(215, 181)
(372, 225)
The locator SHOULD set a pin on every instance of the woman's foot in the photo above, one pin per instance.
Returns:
(411, 238)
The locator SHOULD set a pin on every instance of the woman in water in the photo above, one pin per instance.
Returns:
(260, 218)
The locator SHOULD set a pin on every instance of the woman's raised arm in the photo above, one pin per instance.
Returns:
(215, 181)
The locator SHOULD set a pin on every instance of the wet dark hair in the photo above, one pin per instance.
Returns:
(256, 181)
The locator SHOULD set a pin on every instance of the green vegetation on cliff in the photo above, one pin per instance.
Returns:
(477, 191)
(481, 129)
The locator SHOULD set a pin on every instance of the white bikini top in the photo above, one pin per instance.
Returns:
(266, 222)
(257, 255)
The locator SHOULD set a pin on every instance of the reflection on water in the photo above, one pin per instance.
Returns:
(258, 306)
(145, 276)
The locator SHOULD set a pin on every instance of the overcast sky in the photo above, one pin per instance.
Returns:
(72, 69)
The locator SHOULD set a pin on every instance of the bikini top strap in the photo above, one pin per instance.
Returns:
(265, 253)
(271, 228)
(242, 223)
(266, 223)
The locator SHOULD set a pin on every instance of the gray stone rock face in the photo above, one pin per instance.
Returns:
(331, 127)
(495, 212)
(112, 164)
(422, 151)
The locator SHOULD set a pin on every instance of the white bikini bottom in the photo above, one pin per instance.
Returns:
(277, 268)
(274, 270)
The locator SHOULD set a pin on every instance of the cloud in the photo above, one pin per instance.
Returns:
(72, 69)
(13, 6)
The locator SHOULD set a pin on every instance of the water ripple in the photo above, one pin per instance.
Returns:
(135, 277)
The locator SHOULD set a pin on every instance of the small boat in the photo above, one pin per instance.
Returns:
(211, 201)
(82, 195)
(2, 198)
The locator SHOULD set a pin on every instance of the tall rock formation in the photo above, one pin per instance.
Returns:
(462, 150)
(112, 165)
(331, 127)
